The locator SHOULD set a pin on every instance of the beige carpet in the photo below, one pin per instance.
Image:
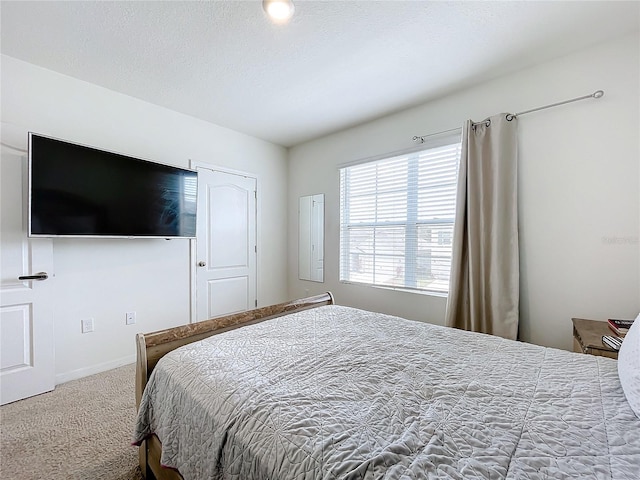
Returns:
(81, 430)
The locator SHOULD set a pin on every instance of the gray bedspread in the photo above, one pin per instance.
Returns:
(341, 393)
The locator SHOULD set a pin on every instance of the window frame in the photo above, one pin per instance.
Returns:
(411, 224)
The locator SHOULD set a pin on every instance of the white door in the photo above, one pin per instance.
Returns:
(26, 309)
(226, 248)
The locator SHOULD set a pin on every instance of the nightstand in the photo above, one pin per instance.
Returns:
(587, 337)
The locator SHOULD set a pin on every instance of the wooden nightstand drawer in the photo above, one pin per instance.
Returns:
(587, 337)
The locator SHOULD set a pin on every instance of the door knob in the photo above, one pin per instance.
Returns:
(202, 264)
(37, 276)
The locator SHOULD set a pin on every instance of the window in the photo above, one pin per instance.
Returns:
(396, 219)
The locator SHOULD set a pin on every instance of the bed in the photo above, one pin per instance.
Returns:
(314, 390)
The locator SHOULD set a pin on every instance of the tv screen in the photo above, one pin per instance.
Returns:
(78, 191)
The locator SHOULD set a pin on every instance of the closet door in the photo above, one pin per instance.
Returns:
(226, 250)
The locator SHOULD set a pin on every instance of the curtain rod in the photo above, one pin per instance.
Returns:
(511, 116)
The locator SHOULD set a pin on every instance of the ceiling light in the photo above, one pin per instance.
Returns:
(280, 11)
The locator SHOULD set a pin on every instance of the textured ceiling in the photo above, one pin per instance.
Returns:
(336, 64)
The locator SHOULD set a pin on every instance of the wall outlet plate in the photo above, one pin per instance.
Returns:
(87, 325)
(131, 318)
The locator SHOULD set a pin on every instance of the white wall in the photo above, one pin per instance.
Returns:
(105, 278)
(578, 179)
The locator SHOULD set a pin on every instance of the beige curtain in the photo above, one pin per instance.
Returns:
(484, 286)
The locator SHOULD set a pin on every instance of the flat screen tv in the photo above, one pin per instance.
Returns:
(79, 191)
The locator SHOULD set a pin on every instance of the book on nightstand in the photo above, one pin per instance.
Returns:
(620, 327)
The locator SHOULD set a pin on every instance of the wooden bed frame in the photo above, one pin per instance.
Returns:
(151, 347)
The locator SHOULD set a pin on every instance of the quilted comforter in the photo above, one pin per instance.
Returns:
(340, 393)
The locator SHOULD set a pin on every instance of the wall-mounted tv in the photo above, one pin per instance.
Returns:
(79, 191)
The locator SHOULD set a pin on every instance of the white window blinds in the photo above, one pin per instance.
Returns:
(396, 219)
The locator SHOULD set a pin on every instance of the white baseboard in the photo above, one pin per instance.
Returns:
(93, 369)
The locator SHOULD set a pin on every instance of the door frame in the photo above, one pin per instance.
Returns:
(193, 254)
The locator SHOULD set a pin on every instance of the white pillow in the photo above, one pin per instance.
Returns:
(629, 366)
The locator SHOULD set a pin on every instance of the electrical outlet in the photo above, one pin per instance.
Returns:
(87, 325)
(131, 318)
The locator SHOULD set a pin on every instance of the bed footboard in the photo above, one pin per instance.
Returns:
(151, 347)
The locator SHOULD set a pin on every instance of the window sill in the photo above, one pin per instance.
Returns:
(399, 289)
